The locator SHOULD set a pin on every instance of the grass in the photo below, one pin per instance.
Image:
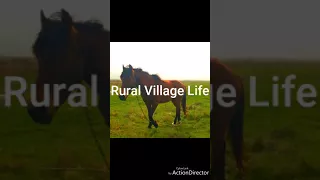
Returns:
(129, 118)
(27, 149)
(281, 143)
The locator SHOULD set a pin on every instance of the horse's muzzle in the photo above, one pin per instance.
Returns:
(39, 115)
(122, 98)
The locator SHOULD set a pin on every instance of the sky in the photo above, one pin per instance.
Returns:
(265, 28)
(20, 20)
(246, 28)
(170, 60)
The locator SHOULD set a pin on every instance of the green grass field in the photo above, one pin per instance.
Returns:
(27, 150)
(281, 143)
(128, 118)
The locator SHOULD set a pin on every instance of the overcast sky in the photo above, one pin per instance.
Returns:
(170, 60)
(265, 28)
(239, 28)
(20, 20)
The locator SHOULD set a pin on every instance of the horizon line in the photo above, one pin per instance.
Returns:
(169, 80)
(224, 58)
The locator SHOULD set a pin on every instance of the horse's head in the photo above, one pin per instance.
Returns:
(128, 80)
(59, 63)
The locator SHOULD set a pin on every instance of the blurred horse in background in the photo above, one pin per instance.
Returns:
(69, 52)
(225, 120)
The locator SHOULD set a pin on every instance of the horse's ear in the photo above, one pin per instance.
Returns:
(130, 66)
(66, 17)
(123, 67)
(43, 18)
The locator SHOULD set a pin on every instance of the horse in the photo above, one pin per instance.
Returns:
(135, 77)
(69, 52)
(226, 120)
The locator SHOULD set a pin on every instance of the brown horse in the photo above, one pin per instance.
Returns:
(69, 52)
(226, 119)
(133, 78)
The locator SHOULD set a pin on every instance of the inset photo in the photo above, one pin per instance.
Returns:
(160, 89)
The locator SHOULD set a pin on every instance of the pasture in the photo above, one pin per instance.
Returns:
(281, 143)
(129, 118)
(31, 151)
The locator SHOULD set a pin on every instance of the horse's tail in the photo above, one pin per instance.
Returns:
(184, 103)
(236, 130)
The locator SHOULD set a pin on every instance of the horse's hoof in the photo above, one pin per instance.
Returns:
(240, 176)
(156, 125)
(149, 127)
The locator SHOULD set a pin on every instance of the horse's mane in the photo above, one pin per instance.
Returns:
(89, 24)
(155, 76)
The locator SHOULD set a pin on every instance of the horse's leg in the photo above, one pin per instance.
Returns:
(236, 133)
(175, 119)
(178, 109)
(154, 107)
(220, 121)
(149, 107)
(178, 112)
